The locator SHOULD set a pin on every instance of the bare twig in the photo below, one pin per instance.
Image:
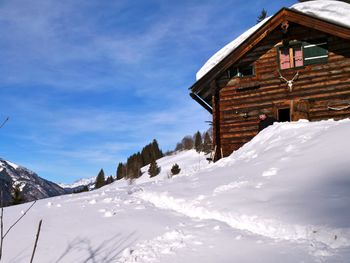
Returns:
(19, 219)
(2, 235)
(2, 225)
(36, 240)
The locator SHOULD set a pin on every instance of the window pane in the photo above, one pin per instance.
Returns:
(246, 71)
(315, 52)
(284, 58)
(298, 57)
(233, 72)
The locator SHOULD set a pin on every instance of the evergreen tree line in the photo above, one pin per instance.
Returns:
(132, 168)
(199, 142)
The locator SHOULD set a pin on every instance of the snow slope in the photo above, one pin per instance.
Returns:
(189, 160)
(330, 10)
(283, 197)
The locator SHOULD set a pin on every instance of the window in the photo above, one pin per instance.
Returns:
(246, 71)
(242, 71)
(315, 51)
(302, 54)
(291, 57)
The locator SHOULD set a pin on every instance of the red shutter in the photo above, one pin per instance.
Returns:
(284, 58)
(298, 57)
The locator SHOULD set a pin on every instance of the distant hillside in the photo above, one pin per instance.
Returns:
(32, 186)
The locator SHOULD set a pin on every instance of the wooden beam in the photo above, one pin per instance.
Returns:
(201, 102)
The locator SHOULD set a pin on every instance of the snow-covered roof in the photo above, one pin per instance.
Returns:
(222, 53)
(329, 10)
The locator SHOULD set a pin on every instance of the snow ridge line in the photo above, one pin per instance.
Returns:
(332, 238)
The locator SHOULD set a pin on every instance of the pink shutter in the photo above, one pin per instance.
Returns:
(284, 58)
(298, 57)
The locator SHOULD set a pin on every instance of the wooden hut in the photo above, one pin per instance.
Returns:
(293, 65)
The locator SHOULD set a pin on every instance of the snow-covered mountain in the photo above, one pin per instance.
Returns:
(79, 184)
(32, 186)
(282, 197)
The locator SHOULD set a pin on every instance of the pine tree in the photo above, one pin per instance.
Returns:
(179, 147)
(198, 144)
(100, 179)
(17, 196)
(109, 179)
(207, 144)
(151, 151)
(138, 165)
(187, 143)
(175, 169)
(121, 171)
(133, 166)
(153, 169)
(262, 16)
(156, 151)
(146, 154)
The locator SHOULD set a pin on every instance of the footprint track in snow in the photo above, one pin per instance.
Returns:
(269, 228)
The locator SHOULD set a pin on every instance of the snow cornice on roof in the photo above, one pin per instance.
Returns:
(333, 11)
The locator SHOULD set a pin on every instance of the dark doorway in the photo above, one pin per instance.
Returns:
(284, 115)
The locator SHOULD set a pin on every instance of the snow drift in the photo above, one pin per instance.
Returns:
(282, 197)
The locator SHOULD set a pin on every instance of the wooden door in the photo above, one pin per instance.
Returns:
(300, 110)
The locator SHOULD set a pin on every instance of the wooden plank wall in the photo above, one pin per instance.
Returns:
(317, 86)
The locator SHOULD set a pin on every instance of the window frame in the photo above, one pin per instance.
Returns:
(238, 70)
(291, 44)
(302, 44)
(315, 43)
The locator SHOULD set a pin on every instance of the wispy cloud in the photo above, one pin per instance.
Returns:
(48, 42)
(86, 83)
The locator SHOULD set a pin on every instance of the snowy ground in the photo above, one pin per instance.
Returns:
(283, 197)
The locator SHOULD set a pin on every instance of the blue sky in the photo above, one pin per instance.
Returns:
(87, 83)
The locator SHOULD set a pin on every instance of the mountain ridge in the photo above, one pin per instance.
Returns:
(32, 186)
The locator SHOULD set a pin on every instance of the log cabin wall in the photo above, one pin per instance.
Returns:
(321, 91)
